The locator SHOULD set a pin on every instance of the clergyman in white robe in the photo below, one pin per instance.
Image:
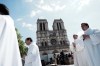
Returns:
(81, 57)
(33, 56)
(79, 53)
(93, 45)
(9, 49)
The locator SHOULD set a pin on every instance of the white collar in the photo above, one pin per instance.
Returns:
(88, 31)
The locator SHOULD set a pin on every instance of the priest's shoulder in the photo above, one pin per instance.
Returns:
(2, 19)
(34, 45)
(7, 18)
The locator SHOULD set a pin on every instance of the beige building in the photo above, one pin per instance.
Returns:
(51, 41)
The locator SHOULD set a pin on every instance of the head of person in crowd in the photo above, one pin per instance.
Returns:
(28, 41)
(4, 10)
(75, 36)
(84, 26)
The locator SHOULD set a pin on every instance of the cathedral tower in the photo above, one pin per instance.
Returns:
(58, 24)
(42, 32)
(42, 25)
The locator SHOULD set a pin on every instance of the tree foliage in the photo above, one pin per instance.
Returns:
(22, 47)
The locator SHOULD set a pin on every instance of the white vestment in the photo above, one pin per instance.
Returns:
(33, 56)
(9, 49)
(80, 55)
(92, 45)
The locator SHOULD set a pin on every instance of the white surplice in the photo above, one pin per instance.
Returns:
(33, 56)
(79, 44)
(9, 49)
(81, 56)
(80, 53)
(93, 45)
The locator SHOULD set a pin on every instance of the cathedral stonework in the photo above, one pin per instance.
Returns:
(51, 41)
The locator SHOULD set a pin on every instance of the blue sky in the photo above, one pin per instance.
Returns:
(73, 12)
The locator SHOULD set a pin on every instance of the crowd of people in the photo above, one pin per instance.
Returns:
(60, 59)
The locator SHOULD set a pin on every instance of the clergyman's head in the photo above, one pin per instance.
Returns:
(28, 41)
(75, 36)
(84, 26)
(4, 10)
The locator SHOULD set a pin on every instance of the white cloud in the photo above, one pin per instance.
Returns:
(45, 7)
(50, 6)
(27, 25)
(41, 1)
(83, 3)
(58, 7)
(19, 19)
(29, 1)
(42, 17)
(34, 13)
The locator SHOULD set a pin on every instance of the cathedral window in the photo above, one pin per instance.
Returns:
(64, 42)
(53, 41)
(40, 26)
(45, 43)
(43, 26)
(61, 42)
(60, 26)
(42, 44)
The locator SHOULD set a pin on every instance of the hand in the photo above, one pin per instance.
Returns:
(74, 45)
(85, 36)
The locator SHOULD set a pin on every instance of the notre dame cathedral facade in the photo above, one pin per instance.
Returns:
(51, 41)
